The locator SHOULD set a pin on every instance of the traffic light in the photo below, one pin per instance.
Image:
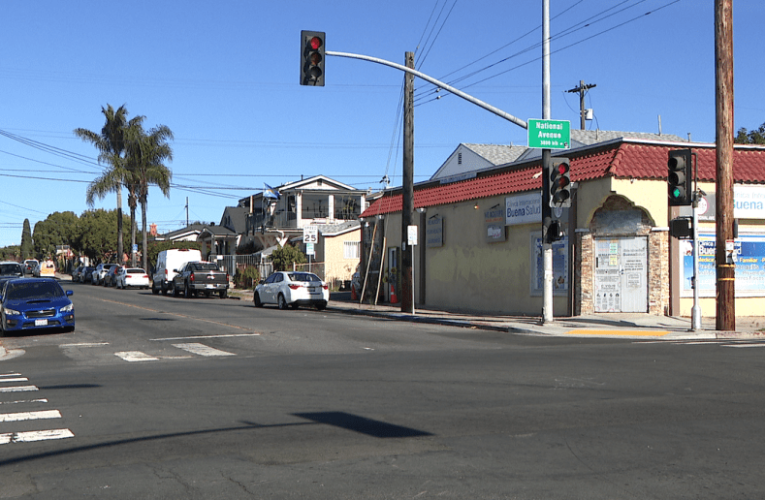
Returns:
(560, 183)
(312, 58)
(553, 230)
(680, 177)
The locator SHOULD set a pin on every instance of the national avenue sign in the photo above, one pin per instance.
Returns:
(549, 134)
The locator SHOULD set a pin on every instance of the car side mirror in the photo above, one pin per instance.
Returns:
(261, 282)
(70, 292)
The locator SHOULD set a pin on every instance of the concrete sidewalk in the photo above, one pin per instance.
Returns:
(624, 325)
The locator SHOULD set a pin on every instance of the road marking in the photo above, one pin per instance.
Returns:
(19, 388)
(85, 344)
(20, 379)
(744, 345)
(22, 401)
(208, 336)
(10, 374)
(202, 350)
(30, 436)
(133, 356)
(622, 333)
(29, 415)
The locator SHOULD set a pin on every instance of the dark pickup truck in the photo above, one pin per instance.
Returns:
(200, 277)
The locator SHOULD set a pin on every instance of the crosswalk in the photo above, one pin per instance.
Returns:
(182, 348)
(731, 343)
(26, 419)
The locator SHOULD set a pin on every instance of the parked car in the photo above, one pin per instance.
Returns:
(29, 265)
(168, 261)
(11, 269)
(33, 304)
(200, 277)
(44, 269)
(97, 278)
(110, 277)
(285, 288)
(131, 277)
(87, 274)
(77, 273)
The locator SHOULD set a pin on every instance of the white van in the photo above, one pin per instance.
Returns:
(167, 262)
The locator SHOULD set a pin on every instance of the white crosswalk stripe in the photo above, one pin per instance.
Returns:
(26, 418)
(202, 350)
(134, 356)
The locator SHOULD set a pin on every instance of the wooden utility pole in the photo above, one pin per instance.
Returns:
(405, 287)
(582, 90)
(726, 270)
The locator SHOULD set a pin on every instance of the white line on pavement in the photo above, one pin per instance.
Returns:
(202, 350)
(133, 356)
(29, 415)
(10, 374)
(27, 437)
(22, 401)
(209, 336)
(19, 388)
(85, 344)
(19, 379)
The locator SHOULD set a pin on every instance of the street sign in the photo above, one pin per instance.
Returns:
(411, 235)
(549, 134)
(310, 234)
(309, 249)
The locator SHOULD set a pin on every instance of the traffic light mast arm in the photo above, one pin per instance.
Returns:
(457, 92)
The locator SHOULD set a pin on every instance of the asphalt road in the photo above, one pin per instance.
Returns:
(156, 397)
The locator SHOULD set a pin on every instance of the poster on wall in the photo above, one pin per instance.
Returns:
(560, 265)
(749, 253)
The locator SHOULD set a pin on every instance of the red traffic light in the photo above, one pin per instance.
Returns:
(315, 43)
(560, 183)
(312, 58)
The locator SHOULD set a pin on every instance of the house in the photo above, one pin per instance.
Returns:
(480, 238)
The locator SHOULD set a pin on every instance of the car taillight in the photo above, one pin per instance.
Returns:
(325, 286)
(165, 272)
(294, 287)
(191, 278)
(227, 280)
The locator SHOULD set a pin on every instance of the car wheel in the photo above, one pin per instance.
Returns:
(281, 302)
(187, 291)
(175, 291)
(154, 289)
(256, 300)
(164, 289)
(321, 306)
(223, 294)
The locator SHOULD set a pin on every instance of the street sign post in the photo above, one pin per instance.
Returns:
(549, 134)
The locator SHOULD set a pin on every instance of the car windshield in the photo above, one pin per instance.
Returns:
(207, 266)
(135, 271)
(33, 290)
(304, 277)
(11, 269)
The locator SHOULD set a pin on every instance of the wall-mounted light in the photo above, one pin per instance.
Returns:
(476, 206)
(380, 217)
(421, 210)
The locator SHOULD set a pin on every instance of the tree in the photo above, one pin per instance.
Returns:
(146, 157)
(59, 228)
(27, 247)
(98, 234)
(751, 137)
(284, 257)
(111, 146)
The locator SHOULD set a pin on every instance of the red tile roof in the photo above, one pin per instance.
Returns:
(619, 159)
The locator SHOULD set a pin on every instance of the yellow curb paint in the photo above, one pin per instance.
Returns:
(623, 333)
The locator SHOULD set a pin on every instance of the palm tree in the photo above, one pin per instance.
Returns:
(111, 146)
(147, 154)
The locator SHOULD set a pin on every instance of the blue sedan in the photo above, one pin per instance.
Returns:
(34, 304)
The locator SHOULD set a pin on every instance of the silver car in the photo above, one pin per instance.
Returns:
(292, 289)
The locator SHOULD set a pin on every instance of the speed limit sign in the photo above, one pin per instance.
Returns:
(310, 234)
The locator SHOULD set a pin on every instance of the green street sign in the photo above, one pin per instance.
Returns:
(549, 134)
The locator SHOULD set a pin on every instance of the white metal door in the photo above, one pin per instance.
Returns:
(621, 275)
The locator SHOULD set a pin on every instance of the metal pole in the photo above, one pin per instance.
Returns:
(547, 257)
(696, 310)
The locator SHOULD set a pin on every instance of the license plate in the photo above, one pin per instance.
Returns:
(209, 286)
(312, 289)
(41, 322)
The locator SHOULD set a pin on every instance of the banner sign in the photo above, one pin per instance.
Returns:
(750, 265)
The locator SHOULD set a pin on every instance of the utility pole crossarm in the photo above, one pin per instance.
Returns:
(449, 88)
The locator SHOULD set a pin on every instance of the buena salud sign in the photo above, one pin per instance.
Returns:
(549, 134)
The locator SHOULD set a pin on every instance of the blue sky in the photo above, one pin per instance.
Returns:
(224, 77)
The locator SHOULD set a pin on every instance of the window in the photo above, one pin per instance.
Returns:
(351, 249)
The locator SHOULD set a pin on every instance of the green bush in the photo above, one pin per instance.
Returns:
(247, 278)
